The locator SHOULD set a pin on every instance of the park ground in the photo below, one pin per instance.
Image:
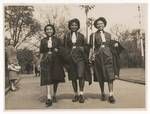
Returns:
(129, 91)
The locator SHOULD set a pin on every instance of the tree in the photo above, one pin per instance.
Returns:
(90, 22)
(25, 57)
(131, 42)
(20, 24)
(118, 31)
(59, 21)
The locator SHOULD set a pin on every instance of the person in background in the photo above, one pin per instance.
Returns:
(13, 65)
(6, 64)
(28, 68)
(36, 65)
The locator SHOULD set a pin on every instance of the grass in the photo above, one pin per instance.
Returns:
(136, 75)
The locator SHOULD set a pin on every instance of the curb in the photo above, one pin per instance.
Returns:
(132, 81)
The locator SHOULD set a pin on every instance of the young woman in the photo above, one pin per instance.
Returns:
(36, 65)
(105, 53)
(74, 43)
(51, 68)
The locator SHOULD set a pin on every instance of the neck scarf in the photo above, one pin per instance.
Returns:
(102, 36)
(74, 38)
(50, 42)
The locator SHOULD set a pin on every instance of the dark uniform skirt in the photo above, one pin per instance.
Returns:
(51, 70)
(75, 70)
(76, 64)
(103, 66)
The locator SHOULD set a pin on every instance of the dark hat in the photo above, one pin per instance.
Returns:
(75, 20)
(100, 19)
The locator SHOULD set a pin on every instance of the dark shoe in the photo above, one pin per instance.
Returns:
(49, 102)
(75, 99)
(54, 99)
(111, 99)
(81, 99)
(103, 97)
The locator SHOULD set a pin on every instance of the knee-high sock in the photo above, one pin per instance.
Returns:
(48, 91)
(101, 84)
(75, 86)
(81, 85)
(55, 86)
(110, 87)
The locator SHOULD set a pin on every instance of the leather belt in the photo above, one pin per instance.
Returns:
(74, 47)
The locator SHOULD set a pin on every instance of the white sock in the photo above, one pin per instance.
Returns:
(110, 93)
(81, 92)
(48, 92)
(49, 96)
(13, 85)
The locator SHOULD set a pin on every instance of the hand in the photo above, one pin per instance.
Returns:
(92, 58)
(38, 65)
(81, 48)
(116, 76)
(39, 68)
(102, 46)
(116, 44)
(39, 62)
(56, 50)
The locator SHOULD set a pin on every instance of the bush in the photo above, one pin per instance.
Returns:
(131, 57)
(25, 58)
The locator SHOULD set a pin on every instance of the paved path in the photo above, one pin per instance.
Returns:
(31, 96)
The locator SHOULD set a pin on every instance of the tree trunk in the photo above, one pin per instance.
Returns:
(87, 29)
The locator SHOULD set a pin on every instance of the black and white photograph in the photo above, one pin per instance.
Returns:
(75, 56)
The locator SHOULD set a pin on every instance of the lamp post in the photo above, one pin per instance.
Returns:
(87, 8)
(140, 34)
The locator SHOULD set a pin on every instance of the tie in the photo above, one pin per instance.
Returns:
(50, 43)
(102, 36)
(74, 38)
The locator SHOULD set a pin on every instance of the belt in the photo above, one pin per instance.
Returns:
(102, 45)
(49, 52)
(73, 47)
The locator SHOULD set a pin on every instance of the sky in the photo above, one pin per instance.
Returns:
(115, 13)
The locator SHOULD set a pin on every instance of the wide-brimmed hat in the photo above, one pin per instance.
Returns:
(100, 19)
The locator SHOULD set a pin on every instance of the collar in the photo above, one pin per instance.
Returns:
(70, 34)
(98, 31)
(49, 37)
